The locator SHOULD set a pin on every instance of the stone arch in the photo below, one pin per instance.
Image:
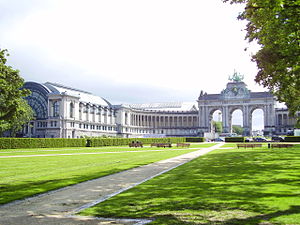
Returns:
(235, 110)
(252, 111)
(210, 117)
(236, 96)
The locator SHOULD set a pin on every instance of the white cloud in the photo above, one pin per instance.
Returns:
(174, 45)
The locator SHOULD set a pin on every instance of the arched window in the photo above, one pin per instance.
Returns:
(55, 109)
(38, 102)
(71, 110)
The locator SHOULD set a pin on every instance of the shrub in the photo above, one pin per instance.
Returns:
(195, 139)
(12, 143)
(234, 139)
(292, 139)
(98, 142)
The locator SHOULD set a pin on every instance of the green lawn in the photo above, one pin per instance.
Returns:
(27, 176)
(39, 151)
(226, 186)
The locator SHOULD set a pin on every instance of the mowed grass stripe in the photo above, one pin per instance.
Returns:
(226, 186)
(24, 177)
(90, 149)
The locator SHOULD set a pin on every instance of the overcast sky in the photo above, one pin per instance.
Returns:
(128, 51)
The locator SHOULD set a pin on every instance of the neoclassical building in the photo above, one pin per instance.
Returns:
(67, 112)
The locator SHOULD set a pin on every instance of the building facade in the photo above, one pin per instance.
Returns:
(66, 112)
(237, 96)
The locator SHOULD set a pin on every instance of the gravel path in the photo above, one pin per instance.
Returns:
(59, 206)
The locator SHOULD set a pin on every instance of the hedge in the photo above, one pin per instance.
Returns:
(234, 139)
(98, 142)
(195, 139)
(12, 143)
(292, 139)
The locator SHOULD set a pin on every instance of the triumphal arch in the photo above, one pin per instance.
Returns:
(236, 96)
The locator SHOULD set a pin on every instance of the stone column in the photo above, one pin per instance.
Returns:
(272, 118)
(129, 118)
(133, 120)
(100, 114)
(106, 116)
(246, 120)
(250, 124)
(225, 119)
(49, 108)
(265, 116)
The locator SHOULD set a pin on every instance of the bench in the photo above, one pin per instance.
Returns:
(161, 145)
(136, 144)
(249, 145)
(281, 145)
(183, 145)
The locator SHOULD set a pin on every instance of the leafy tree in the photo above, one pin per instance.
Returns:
(238, 129)
(14, 111)
(275, 25)
(217, 126)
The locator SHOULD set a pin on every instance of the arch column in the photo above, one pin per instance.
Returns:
(225, 119)
(246, 120)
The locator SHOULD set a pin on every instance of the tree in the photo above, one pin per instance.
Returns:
(238, 129)
(14, 111)
(275, 25)
(217, 126)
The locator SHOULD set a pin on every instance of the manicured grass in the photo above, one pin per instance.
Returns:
(226, 186)
(8, 152)
(23, 177)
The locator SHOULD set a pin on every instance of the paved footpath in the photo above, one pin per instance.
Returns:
(59, 206)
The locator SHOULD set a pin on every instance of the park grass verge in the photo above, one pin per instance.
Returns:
(28, 176)
(226, 186)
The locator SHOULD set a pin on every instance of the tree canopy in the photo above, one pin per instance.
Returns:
(275, 25)
(238, 129)
(217, 126)
(14, 111)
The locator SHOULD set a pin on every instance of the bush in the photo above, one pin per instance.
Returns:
(292, 139)
(12, 143)
(98, 142)
(234, 139)
(195, 139)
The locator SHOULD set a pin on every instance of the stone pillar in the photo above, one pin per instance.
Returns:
(106, 116)
(272, 118)
(246, 119)
(100, 114)
(210, 117)
(49, 108)
(225, 119)
(129, 118)
(134, 120)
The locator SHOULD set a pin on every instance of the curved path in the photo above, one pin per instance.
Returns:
(59, 206)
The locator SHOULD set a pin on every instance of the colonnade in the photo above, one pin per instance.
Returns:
(284, 122)
(160, 121)
(97, 114)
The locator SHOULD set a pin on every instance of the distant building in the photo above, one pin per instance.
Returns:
(66, 112)
(283, 122)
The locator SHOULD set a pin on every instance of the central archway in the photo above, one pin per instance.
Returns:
(236, 122)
